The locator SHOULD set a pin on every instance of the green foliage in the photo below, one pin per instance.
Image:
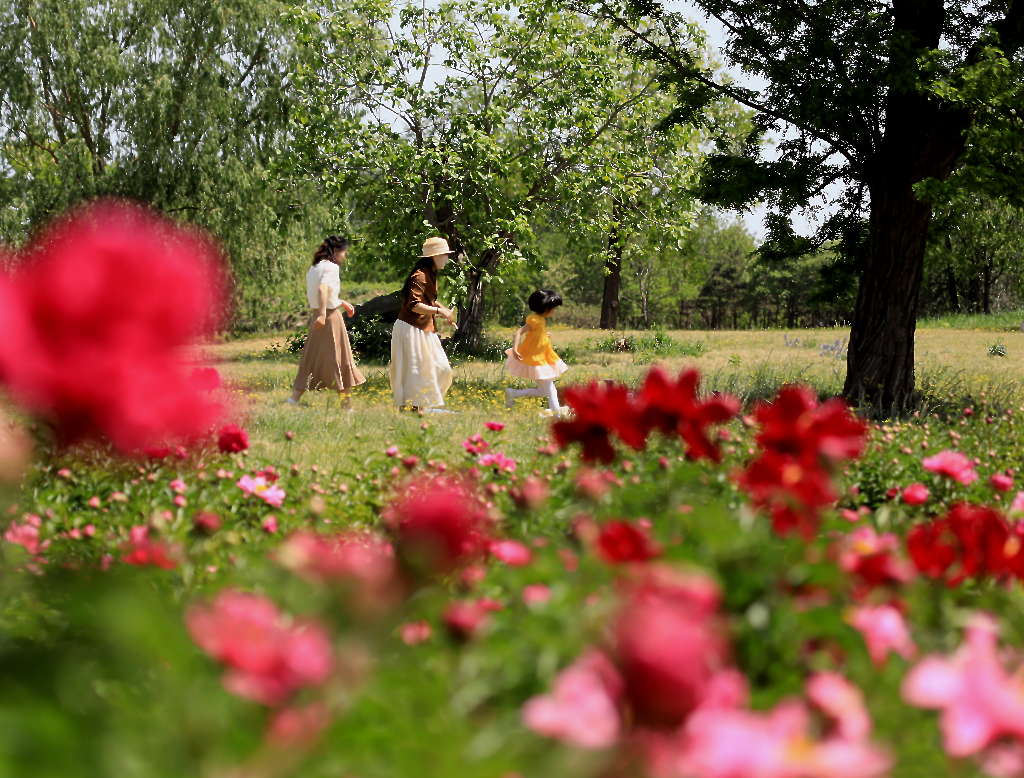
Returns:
(371, 338)
(997, 350)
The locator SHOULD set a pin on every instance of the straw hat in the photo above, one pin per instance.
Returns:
(433, 247)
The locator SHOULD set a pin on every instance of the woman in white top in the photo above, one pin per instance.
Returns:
(327, 361)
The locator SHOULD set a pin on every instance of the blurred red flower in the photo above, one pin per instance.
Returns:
(95, 318)
(232, 439)
(621, 541)
(439, 522)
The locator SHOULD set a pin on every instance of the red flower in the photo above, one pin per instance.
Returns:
(440, 523)
(795, 424)
(970, 541)
(95, 320)
(621, 541)
(232, 439)
(142, 551)
(464, 620)
(916, 494)
(668, 645)
(674, 408)
(794, 493)
(599, 410)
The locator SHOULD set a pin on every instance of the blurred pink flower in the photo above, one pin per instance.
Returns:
(952, 464)
(270, 524)
(291, 727)
(475, 444)
(916, 494)
(143, 551)
(494, 426)
(536, 594)
(465, 619)
(498, 461)
(391, 451)
(1001, 482)
(1017, 506)
(979, 700)
(582, 708)
(511, 552)
(723, 743)
(415, 632)
(530, 494)
(841, 701)
(25, 535)
(177, 486)
(884, 630)
(270, 493)
(268, 657)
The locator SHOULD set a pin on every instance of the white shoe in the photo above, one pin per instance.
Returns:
(510, 401)
(291, 401)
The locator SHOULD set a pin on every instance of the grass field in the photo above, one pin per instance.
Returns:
(954, 366)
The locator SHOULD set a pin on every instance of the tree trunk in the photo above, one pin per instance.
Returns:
(880, 360)
(470, 334)
(986, 287)
(954, 299)
(612, 280)
(923, 139)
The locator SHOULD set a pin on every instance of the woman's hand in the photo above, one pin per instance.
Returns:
(350, 311)
(517, 355)
(321, 321)
(447, 313)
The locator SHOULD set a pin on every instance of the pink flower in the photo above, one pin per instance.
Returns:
(440, 523)
(843, 702)
(724, 743)
(180, 500)
(979, 700)
(362, 558)
(916, 494)
(582, 708)
(498, 461)
(232, 439)
(494, 426)
(206, 522)
(530, 494)
(1001, 482)
(268, 657)
(464, 620)
(25, 535)
(511, 552)
(93, 502)
(884, 629)
(1017, 506)
(415, 632)
(143, 551)
(270, 494)
(536, 594)
(177, 486)
(475, 444)
(270, 524)
(952, 464)
(291, 727)
(391, 451)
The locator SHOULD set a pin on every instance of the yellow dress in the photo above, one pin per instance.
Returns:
(539, 360)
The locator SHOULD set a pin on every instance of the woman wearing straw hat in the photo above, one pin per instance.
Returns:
(419, 371)
(327, 361)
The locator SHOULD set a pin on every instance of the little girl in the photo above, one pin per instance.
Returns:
(531, 356)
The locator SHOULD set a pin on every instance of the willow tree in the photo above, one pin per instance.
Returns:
(182, 104)
(468, 120)
(874, 101)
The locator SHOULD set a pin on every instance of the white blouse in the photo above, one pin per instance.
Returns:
(323, 273)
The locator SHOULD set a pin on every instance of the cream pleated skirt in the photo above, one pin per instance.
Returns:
(545, 372)
(419, 371)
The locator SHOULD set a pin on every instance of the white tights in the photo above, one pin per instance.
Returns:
(545, 388)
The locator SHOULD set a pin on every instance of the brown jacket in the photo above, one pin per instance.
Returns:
(422, 289)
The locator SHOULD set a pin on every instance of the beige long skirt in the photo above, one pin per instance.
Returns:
(419, 371)
(327, 361)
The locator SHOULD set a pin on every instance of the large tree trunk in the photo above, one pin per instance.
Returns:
(923, 139)
(880, 360)
(612, 281)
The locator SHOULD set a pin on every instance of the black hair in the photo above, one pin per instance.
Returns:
(543, 300)
(423, 263)
(331, 244)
